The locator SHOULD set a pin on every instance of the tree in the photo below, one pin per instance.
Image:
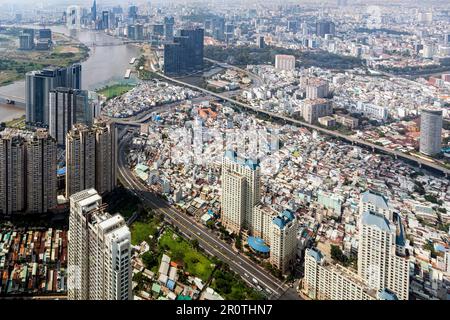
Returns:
(149, 260)
(195, 244)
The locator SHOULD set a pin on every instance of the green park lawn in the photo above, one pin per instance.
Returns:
(182, 252)
(141, 231)
(117, 90)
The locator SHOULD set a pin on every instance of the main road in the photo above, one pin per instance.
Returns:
(208, 240)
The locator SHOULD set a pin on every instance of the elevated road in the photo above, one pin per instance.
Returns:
(208, 240)
(352, 140)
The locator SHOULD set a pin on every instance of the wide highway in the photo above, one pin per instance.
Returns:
(208, 240)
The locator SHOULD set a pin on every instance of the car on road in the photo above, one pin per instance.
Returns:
(245, 274)
(255, 281)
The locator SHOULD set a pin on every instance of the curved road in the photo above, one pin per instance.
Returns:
(208, 240)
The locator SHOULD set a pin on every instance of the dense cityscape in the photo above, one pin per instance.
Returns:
(225, 150)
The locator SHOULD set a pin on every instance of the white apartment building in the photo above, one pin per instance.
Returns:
(325, 281)
(283, 240)
(430, 131)
(240, 189)
(284, 62)
(378, 263)
(99, 251)
(372, 111)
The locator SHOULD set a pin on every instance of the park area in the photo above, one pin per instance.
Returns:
(114, 91)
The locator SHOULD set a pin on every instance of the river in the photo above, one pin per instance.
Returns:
(105, 65)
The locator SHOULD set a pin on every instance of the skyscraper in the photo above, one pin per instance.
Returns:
(91, 157)
(240, 191)
(67, 107)
(94, 11)
(430, 131)
(378, 263)
(105, 156)
(41, 185)
(12, 173)
(105, 20)
(185, 54)
(168, 28)
(38, 86)
(27, 171)
(99, 251)
(325, 27)
(80, 159)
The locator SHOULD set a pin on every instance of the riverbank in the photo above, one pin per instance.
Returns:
(15, 63)
(10, 112)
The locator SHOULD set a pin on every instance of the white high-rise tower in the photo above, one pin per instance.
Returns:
(99, 253)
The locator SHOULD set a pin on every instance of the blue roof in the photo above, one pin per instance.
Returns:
(61, 171)
(258, 244)
(386, 294)
(231, 155)
(170, 284)
(316, 254)
(373, 219)
(283, 219)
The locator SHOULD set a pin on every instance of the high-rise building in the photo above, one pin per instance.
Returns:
(94, 11)
(80, 159)
(105, 156)
(12, 173)
(38, 85)
(317, 88)
(27, 172)
(312, 110)
(185, 54)
(283, 240)
(240, 191)
(284, 62)
(99, 251)
(430, 131)
(325, 27)
(26, 42)
(91, 157)
(168, 28)
(327, 281)
(376, 202)
(41, 184)
(382, 273)
(133, 12)
(105, 20)
(74, 76)
(378, 263)
(260, 42)
(73, 15)
(67, 107)
(293, 26)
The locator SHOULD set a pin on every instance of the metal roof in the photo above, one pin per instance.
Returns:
(373, 219)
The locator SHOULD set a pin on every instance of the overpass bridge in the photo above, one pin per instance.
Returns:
(354, 141)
